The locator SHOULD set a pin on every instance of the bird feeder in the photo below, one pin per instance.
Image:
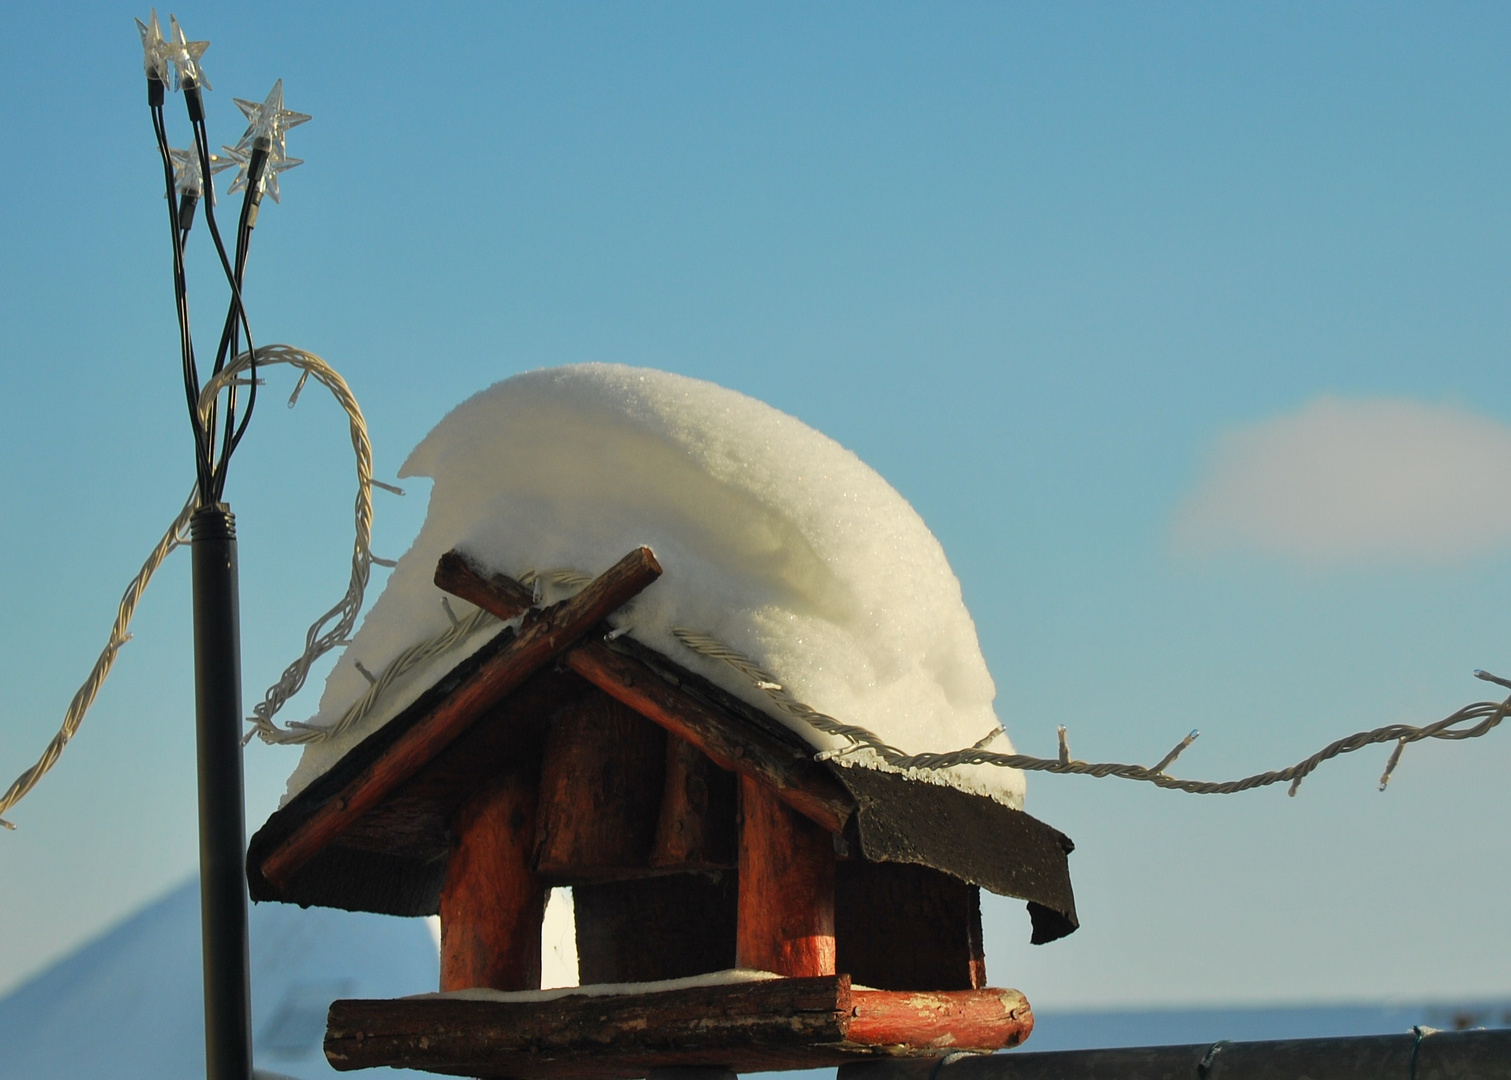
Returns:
(702, 841)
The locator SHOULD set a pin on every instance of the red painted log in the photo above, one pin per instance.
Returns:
(954, 1020)
(492, 901)
(786, 905)
(503, 596)
(550, 633)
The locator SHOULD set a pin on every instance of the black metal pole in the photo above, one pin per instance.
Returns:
(222, 828)
(1421, 1055)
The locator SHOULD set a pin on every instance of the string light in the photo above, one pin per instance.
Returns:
(154, 48)
(184, 55)
(268, 122)
(267, 173)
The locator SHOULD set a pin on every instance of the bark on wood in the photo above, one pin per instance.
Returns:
(898, 926)
(655, 928)
(800, 782)
(946, 1021)
(601, 786)
(543, 637)
(749, 1027)
(492, 902)
(501, 595)
(786, 909)
(696, 828)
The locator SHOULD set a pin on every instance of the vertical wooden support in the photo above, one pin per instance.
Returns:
(696, 829)
(786, 902)
(492, 901)
(898, 926)
(600, 791)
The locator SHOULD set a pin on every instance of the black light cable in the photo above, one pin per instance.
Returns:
(155, 95)
(250, 204)
(237, 313)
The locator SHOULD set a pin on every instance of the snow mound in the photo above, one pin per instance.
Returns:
(774, 539)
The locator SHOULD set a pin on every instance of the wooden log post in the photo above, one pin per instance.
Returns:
(786, 903)
(696, 829)
(492, 901)
(600, 791)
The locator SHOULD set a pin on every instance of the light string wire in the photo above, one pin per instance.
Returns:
(217, 467)
(330, 630)
(859, 740)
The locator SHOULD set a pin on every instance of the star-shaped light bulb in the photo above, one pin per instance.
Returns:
(188, 178)
(184, 55)
(267, 183)
(268, 122)
(154, 48)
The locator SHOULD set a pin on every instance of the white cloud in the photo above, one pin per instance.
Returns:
(1352, 480)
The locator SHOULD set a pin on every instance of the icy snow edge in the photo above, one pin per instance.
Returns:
(775, 540)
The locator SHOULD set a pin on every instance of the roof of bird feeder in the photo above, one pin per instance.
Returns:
(371, 833)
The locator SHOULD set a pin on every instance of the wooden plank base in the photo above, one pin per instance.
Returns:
(747, 1027)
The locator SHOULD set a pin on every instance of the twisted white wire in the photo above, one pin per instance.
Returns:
(1488, 713)
(317, 641)
(119, 634)
(420, 653)
(410, 658)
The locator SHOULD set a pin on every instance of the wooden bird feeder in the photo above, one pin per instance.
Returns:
(698, 835)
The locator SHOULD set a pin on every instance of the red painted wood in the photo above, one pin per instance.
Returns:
(786, 905)
(954, 1020)
(503, 596)
(492, 901)
(549, 634)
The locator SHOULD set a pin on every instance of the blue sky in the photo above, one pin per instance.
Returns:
(1041, 266)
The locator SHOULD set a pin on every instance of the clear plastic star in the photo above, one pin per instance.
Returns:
(154, 48)
(267, 184)
(188, 179)
(184, 55)
(268, 121)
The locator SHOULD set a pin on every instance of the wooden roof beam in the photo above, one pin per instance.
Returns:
(800, 782)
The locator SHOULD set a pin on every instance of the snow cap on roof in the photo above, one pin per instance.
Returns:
(775, 540)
